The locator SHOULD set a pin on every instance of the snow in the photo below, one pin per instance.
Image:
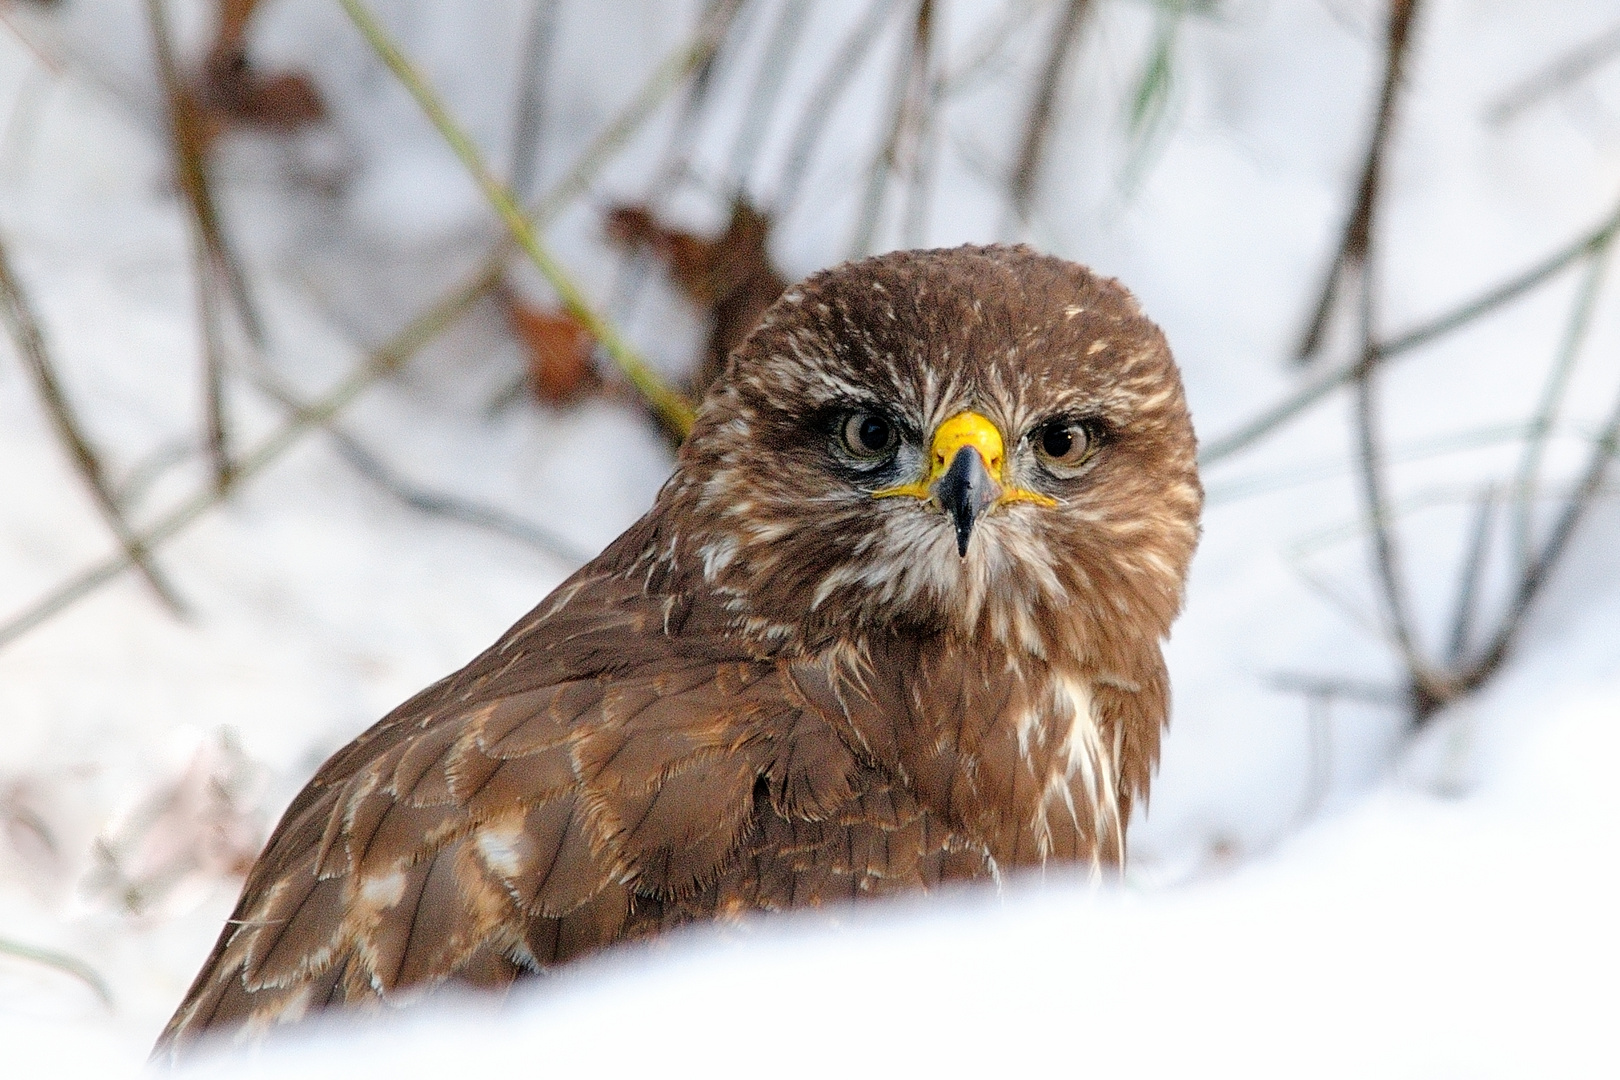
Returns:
(1310, 894)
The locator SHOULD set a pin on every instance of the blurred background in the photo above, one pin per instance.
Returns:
(290, 427)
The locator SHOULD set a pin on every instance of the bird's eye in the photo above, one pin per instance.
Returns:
(1063, 445)
(868, 434)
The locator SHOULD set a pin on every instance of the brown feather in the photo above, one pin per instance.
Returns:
(774, 691)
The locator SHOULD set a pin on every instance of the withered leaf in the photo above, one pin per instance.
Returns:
(557, 348)
(730, 277)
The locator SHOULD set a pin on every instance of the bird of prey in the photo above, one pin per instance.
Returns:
(894, 621)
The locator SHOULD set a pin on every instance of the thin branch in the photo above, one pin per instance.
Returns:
(668, 403)
(1427, 498)
(720, 22)
(145, 472)
(1568, 69)
(534, 64)
(454, 507)
(822, 101)
(388, 358)
(50, 61)
(1540, 571)
(215, 425)
(1473, 571)
(380, 363)
(904, 102)
(1372, 471)
(773, 68)
(70, 965)
(1336, 599)
(924, 138)
(1490, 300)
(1352, 249)
(1317, 686)
(1267, 482)
(989, 46)
(1591, 243)
(211, 253)
(687, 63)
(1569, 349)
(29, 338)
(189, 147)
(1038, 123)
(438, 504)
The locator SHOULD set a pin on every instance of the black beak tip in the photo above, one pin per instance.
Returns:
(965, 491)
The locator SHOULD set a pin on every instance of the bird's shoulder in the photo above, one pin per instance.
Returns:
(615, 750)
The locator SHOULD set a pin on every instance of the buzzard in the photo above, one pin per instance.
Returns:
(894, 621)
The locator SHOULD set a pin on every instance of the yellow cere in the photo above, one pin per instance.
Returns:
(967, 429)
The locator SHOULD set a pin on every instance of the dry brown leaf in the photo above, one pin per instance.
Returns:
(236, 94)
(731, 277)
(558, 349)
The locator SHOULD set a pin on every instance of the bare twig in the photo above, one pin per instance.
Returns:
(50, 60)
(773, 68)
(413, 495)
(1473, 570)
(70, 965)
(909, 82)
(1352, 249)
(215, 431)
(1320, 686)
(29, 338)
(1537, 574)
(1369, 451)
(534, 64)
(989, 50)
(822, 101)
(1541, 426)
(1219, 493)
(1336, 599)
(924, 140)
(1591, 243)
(1462, 495)
(388, 358)
(1491, 300)
(454, 507)
(720, 23)
(1038, 123)
(212, 253)
(1568, 69)
(669, 404)
(380, 363)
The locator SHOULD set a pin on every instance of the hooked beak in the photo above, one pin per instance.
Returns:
(965, 491)
(966, 475)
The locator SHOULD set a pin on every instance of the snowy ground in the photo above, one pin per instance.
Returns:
(1309, 896)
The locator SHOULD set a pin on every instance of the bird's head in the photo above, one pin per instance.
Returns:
(983, 441)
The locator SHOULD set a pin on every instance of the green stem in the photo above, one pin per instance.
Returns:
(61, 962)
(670, 405)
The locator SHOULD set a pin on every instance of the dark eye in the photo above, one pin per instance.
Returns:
(1063, 445)
(868, 434)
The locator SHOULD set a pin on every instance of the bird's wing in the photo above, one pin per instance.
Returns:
(517, 813)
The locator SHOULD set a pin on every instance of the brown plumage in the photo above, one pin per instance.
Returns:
(894, 621)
